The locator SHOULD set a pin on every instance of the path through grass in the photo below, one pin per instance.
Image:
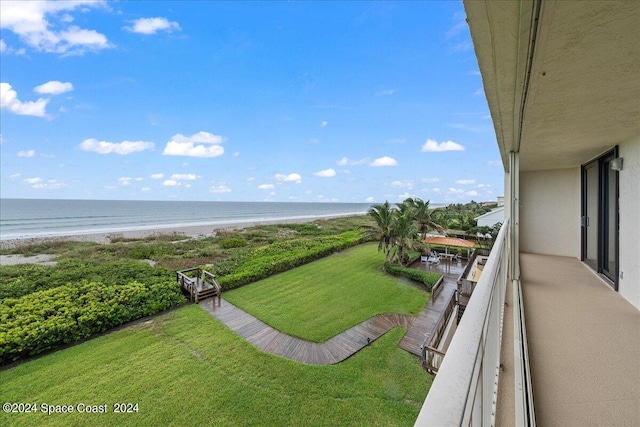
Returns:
(184, 368)
(321, 299)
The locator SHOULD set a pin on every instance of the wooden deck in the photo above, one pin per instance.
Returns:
(425, 324)
(334, 350)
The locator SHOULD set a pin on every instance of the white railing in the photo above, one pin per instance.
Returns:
(464, 391)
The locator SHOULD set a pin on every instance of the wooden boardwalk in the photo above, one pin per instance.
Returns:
(334, 350)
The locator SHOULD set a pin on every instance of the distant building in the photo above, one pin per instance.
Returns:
(491, 218)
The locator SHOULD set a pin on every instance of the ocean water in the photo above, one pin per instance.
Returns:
(30, 218)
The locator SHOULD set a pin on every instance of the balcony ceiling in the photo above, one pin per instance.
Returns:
(583, 94)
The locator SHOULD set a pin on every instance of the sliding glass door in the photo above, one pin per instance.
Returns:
(600, 216)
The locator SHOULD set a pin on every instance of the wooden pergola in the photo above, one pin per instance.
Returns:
(450, 242)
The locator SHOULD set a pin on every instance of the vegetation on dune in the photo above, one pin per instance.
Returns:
(94, 286)
(184, 368)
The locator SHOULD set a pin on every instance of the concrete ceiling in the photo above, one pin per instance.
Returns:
(582, 96)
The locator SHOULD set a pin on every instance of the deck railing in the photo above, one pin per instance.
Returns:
(464, 391)
(431, 355)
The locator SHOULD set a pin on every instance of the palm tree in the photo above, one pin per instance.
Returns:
(404, 232)
(426, 218)
(384, 218)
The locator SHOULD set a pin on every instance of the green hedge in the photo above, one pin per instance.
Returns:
(429, 278)
(19, 280)
(280, 256)
(47, 319)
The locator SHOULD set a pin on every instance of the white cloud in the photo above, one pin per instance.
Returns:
(33, 180)
(44, 25)
(122, 148)
(3, 46)
(494, 163)
(314, 141)
(54, 87)
(153, 25)
(125, 180)
(466, 181)
(170, 182)
(236, 154)
(436, 190)
(471, 193)
(157, 176)
(145, 189)
(456, 190)
(384, 161)
(184, 177)
(484, 185)
(385, 92)
(479, 92)
(324, 123)
(434, 146)
(369, 199)
(346, 161)
(9, 101)
(219, 189)
(292, 177)
(201, 144)
(266, 186)
(15, 176)
(51, 184)
(28, 153)
(326, 173)
(403, 184)
(430, 180)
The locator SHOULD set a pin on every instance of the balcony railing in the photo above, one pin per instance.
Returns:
(464, 391)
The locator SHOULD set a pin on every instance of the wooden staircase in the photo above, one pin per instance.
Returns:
(199, 284)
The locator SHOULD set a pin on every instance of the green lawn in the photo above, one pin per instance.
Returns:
(184, 368)
(321, 299)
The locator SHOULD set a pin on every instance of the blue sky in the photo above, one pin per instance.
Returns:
(243, 101)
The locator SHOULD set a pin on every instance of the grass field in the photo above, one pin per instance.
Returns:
(184, 368)
(321, 299)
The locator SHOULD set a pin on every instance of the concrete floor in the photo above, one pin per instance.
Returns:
(584, 345)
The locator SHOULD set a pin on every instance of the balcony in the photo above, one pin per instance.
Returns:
(577, 361)
(584, 345)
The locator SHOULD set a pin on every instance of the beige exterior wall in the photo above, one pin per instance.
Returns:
(629, 280)
(550, 212)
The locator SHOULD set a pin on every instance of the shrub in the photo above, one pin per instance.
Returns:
(46, 319)
(428, 278)
(19, 280)
(284, 255)
(232, 242)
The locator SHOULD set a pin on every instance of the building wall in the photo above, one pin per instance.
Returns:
(550, 212)
(629, 280)
(491, 218)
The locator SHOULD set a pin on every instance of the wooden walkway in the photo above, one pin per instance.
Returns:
(334, 350)
(425, 324)
(347, 343)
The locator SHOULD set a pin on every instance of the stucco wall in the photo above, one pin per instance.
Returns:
(550, 212)
(629, 282)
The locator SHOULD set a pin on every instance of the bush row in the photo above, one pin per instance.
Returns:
(47, 319)
(19, 280)
(280, 256)
(428, 278)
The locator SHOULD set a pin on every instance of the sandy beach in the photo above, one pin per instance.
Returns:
(200, 230)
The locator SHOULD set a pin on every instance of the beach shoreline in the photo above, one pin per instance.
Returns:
(188, 231)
